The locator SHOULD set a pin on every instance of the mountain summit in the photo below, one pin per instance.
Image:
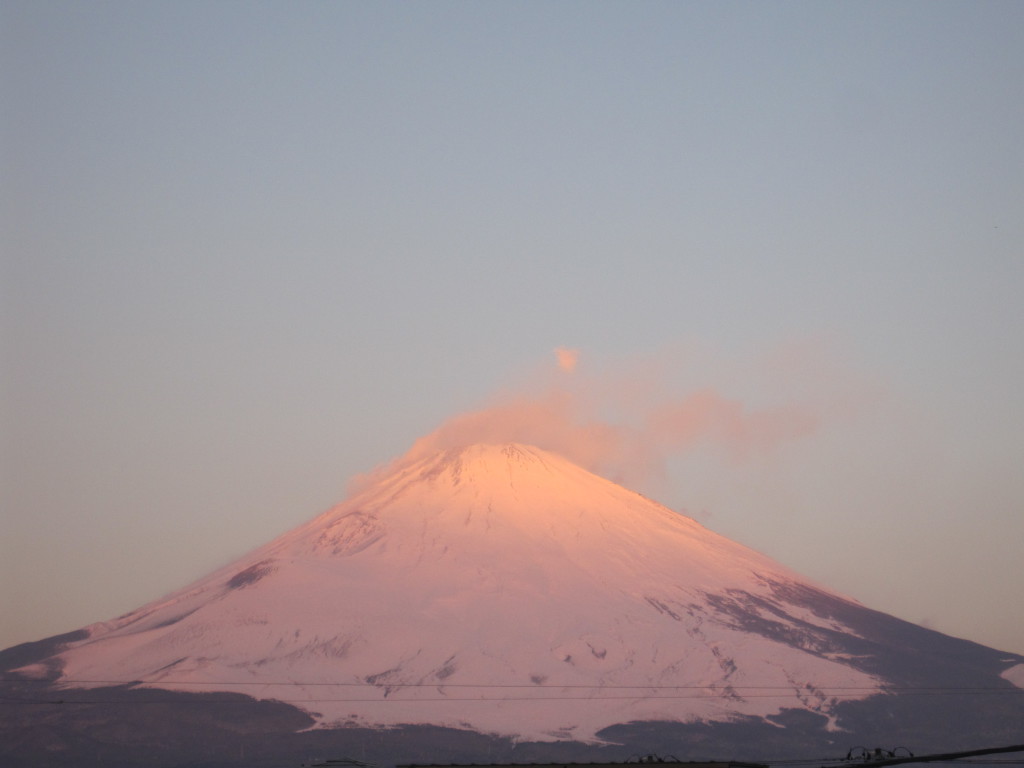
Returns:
(504, 590)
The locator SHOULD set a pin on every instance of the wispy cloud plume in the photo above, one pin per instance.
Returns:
(624, 426)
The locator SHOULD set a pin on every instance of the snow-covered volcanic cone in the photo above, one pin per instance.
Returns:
(498, 588)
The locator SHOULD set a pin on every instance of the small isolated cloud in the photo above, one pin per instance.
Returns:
(567, 358)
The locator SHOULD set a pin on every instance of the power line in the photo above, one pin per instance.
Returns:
(936, 758)
(534, 686)
(390, 699)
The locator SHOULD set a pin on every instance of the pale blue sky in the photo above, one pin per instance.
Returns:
(252, 249)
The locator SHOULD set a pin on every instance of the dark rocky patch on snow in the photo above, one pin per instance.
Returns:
(251, 575)
(39, 650)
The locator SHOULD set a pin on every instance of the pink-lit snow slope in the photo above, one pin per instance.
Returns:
(498, 588)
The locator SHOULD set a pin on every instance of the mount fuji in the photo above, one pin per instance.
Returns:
(501, 595)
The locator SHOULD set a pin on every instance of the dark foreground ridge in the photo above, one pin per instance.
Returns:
(118, 727)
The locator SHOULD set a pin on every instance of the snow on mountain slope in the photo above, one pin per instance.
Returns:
(1015, 675)
(499, 588)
